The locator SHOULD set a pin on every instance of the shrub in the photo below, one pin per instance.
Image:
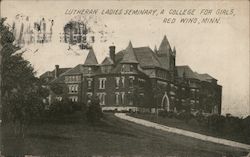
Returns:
(215, 122)
(171, 114)
(60, 108)
(193, 122)
(186, 116)
(162, 114)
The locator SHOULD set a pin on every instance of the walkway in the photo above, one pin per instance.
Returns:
(183, 132)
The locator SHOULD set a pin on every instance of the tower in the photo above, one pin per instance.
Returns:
(129, 60)
(167, 56)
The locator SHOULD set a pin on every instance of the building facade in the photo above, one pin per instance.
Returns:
(138, 79)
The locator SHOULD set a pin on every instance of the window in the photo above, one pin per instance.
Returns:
(131, 81)
(89, 70)
(130, 98)
(122, 98)
(131, 68)
(66, 78)
(75, 78)
(123, 68)
(141, 82)
(117, 82)
(75, 37)
(123, 81)
(89, 80)
(102, 98)
(89, 95)
(73, 98)
(127, 68)
(106, 69)
(73, 89)
(141, 98)
(117, 98)
(59, 98)
(192, 101)
(102, 83)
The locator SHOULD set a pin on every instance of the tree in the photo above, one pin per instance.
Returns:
(22, 93)
(56, 88)
(156, 97)
(94, 111)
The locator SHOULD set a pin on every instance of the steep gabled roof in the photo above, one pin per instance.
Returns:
(107, 61)
(186, 71)
(165, 47)
(204, 77)
(76, 70)
(164, 60)
(129, 56)
(91, 58)
(52, 73)
(60, 78)
(189, 73)
(146, 57)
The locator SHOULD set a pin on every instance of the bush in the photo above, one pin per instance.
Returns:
(76, 106)
(215, 122)
(169, 114)
(65, 107)
(162, 114)
(193, 122)
(185, 116)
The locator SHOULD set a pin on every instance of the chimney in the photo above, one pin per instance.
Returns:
(56, 71)
(112, 53)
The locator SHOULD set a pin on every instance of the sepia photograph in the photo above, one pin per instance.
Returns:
(124, 78)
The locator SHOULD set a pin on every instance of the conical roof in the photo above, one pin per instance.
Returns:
(91, 58)
(165, 47)
(129, 56)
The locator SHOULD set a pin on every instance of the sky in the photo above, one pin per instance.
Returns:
(221, 50)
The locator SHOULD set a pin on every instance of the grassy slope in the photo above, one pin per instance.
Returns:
(190, 126)
(112, 137)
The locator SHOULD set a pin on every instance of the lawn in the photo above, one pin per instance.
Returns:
(111, 137)
(191, 125)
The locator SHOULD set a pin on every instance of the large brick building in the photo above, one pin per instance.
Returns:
(138, 79)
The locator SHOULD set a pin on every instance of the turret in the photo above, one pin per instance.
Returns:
(91, 58)
(129, 56)
(165, 48)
